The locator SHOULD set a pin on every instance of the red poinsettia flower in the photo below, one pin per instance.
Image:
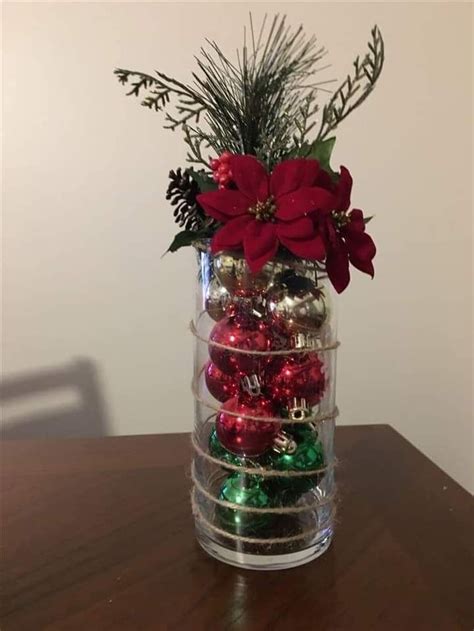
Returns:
(264, 211)
(344, 235)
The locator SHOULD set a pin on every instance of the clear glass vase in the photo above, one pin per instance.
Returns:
(264, 387)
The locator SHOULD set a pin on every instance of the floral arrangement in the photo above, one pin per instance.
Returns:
(269, 189)
(273, 227)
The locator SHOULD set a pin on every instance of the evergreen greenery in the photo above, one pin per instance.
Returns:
(264, 103)
(356, 88)
(261, 104)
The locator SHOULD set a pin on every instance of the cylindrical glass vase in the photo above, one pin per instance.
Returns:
(264, 385)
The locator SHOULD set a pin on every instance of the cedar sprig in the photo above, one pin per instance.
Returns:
(160, 91)
(356, 88)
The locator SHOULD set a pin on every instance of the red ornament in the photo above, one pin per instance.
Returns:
(243, 333)
(219, 384)
(243, 436)
(301, 376)
(214, 163)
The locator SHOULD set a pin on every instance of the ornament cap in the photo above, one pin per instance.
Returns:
(304, 340)
(251, 385)
(299, 409)
(283, 443)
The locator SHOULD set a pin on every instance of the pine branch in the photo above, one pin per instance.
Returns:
(256, 106)
(356, 88)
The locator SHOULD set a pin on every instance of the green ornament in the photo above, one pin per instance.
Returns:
(245, 490)
(302, 431)
(309, 455)
(218, 451)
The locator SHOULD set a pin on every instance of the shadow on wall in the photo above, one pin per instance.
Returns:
(61, 402)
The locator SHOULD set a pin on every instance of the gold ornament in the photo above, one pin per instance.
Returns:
(217, 300)
(235, 275)
(297, 302)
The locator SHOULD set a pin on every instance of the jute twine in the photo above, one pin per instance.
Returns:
(258, 540)
(261, 471)
(288, 351)
(280, 510)
(317, 418)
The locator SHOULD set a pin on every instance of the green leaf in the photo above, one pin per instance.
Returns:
(204, 182)
(188, 237)
(182, 239)
(367, 219)
(321, 150)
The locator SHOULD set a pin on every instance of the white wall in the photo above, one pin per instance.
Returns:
(86, 221)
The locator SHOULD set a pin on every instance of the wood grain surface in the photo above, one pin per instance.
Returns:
(97, 534)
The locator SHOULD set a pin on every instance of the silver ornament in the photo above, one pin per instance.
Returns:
(217, 300)
(235, 275)
(298, 303)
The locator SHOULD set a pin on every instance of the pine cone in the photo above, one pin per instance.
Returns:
(182, 191)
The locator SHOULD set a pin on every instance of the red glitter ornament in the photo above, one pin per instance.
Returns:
(219, 384)
(243, 436)
(243, 333)
(300, 376)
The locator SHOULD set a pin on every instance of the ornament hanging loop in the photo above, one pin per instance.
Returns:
(251, 385)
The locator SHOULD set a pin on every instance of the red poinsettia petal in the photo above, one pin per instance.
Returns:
(356, 223)
(337, 267)
(290, 175)
(250, 177)
(302, 201)
(331, 233)
(231, 236)
(313, 248)
(302, 228)
(363, 266)
(344, 188)
(224, 204)
(260, 244)
(324, 181)
(361, 251)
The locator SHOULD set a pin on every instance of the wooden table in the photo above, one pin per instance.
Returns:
(97, 534)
